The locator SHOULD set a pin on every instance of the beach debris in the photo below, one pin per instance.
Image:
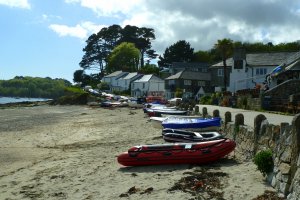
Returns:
(269, 195)
(134, 190)
(201, 183)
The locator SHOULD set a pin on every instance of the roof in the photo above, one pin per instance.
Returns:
(189, 64)
(263, 59)
(116, 73)
(190, 75)
(130, 75)
(147, 78)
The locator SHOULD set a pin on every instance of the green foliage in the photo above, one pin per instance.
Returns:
(100, 45)
(179, 93)
(205, 100)
(181, 51)
(149, 69)
(33, 87)
(103, 86)
(124, 57)
(264, 161)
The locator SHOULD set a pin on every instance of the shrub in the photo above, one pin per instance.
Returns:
(264, 161)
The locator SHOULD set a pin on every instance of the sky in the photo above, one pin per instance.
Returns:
(45, 38)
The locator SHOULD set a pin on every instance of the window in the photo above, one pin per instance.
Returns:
(238, 64)
(171, 82)
(143, 85)
(204, 70)
(187, 82)
(261, 71)
(201, 83)
(220, 72)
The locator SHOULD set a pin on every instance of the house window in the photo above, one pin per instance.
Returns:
(204, 70)
(220, 72)
(143, 85)
(261, 71)
(238, 64)
(187, 82)
(171, 82)
(201, 83)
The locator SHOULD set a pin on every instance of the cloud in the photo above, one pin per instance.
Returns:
(16, 3)
(81, 30)
(114, 8)
(202, 23)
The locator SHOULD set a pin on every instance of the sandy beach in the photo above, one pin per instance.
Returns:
(69, 152)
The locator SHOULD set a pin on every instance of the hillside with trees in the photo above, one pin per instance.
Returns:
(33, 87)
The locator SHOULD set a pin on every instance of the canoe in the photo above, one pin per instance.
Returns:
(177, 135)
(177, 153)
(193, 124)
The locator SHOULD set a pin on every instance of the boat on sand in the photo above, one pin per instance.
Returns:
(177, 153)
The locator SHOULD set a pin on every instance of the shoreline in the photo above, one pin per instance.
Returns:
(69, 152)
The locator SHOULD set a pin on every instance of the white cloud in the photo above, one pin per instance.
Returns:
(82, 30)
(63, 30)
(203, 22)
(16, 3)
(110, 7)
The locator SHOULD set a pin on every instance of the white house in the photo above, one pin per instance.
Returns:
(123, 82)
(112, 78)
(245, 71)
(148, 85)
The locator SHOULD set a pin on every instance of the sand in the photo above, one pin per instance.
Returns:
(69, 152)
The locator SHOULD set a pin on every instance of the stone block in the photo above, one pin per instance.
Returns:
(284, 188)
(285, 178)
(286, 155)
(284, 168)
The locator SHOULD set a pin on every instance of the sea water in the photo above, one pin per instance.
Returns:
(4, 100)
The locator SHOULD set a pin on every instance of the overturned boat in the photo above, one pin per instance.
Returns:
(177, 135)
(192, 124)
(177, 153)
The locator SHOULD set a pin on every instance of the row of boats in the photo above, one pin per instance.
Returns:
(190, 139)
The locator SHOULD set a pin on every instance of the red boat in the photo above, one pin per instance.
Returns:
(178, 153)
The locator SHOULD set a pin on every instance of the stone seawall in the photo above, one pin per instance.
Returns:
(283, 140)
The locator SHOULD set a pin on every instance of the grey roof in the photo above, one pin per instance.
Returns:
(145, 78)
(130, 75)
(116, 73)
(190, 75)
(189, 64)
(264, 59)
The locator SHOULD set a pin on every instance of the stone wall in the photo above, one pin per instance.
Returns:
(283, 140)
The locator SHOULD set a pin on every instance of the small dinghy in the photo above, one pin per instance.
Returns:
(193, 124)
(177, 135)
(177, 153)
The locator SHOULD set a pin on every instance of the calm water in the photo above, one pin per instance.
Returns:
(4, 100)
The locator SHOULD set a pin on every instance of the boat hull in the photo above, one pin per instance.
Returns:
(178, 153)
(177, 135)
(193, 124)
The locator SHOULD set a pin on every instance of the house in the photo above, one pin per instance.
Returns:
(194, 84)
(246, 71)
(111, 79)
(190, 66)
(123, 82)
(148, 85)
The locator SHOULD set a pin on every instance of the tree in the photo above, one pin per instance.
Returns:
(100, 45)
(225, 49)
(181, 51)
(149, 69)
(124, 57)
(78, 76)
(202, 56)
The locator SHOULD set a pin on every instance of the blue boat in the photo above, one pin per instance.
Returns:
(192, 124)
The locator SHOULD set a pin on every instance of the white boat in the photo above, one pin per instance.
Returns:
(157, 121)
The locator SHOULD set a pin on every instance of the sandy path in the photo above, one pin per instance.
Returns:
(69, 152)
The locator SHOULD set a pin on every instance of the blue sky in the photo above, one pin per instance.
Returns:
(45, 38)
